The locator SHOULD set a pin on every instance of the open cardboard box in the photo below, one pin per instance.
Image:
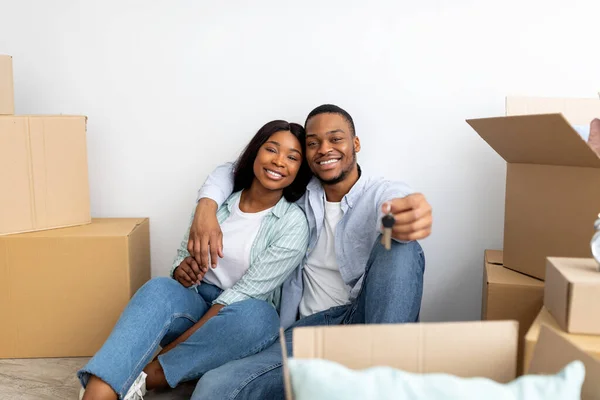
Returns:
(466, 349)
(487, 349)
(552, 179)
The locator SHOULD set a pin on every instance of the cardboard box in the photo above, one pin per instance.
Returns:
(552, 180)
(62, 290)
(7, 97)
(588, 343)
(487, 349)
(510, 295)
(553, 352)
(572, 294)
(43, 173)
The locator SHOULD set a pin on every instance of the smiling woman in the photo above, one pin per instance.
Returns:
(275, 154)
(266, 237)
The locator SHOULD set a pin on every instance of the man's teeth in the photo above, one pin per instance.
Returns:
(328, 162)
(274, 174)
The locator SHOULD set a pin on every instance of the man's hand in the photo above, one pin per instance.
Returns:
(206, 237)
(594, 138)
(412, 215)
(189, 272)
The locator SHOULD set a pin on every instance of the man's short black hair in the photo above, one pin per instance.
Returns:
(332, 109)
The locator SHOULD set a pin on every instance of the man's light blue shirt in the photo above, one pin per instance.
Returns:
(355, 234)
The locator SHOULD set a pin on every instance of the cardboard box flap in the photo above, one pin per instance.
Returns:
(493, 257)
(487, 349)
(497, 274)
(110, 227)
(536, 139)
(553, 352)
(576, 111)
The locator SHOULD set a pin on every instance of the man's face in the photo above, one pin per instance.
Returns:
(330, 147)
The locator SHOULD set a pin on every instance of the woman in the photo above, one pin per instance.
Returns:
(206, 318)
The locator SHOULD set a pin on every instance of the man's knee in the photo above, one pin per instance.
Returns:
(394, 284)
(408, 255)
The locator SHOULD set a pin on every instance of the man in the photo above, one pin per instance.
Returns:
(347, 276)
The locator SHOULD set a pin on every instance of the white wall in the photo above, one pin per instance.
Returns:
(172, 88)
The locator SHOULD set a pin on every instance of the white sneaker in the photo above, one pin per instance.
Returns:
(138, 389)
(135, 392)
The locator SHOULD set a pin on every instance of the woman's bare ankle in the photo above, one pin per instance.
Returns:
(97, 389)
(156, 376)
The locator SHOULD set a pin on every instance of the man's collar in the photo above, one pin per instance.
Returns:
(350, 197)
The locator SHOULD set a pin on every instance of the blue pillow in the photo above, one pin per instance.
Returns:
(317, 379)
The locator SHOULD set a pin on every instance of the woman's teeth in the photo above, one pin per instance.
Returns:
(274, 174)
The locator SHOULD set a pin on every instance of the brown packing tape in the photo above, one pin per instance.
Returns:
(553, 352)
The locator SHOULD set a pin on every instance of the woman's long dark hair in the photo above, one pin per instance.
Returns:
(243, 174)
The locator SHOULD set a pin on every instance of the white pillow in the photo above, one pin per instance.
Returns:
(317, 379)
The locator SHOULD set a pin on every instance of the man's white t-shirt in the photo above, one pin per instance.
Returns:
(323, 284)
(239, 231)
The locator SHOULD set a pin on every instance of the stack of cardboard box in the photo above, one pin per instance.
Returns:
(64, 277)
(571, 304)
(552, 200)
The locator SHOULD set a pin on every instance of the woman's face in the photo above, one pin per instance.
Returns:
(278, 161)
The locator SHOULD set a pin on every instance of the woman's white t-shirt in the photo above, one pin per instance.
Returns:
(239, 231)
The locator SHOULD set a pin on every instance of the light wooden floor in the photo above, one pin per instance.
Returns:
(54, 378)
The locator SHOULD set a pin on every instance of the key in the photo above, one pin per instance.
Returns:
(388, 223)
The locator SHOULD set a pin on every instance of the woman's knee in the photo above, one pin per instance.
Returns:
(160, 289)
(256, 316)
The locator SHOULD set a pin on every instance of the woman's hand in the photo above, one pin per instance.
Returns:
(206, 237)
(189, 272)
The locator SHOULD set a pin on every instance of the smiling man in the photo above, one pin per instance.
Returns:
(347, 276)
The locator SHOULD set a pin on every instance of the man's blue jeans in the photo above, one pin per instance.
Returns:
(161, 311)
(391, 293)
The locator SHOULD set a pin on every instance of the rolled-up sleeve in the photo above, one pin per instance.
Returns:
(271, 267)
(218, 185)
